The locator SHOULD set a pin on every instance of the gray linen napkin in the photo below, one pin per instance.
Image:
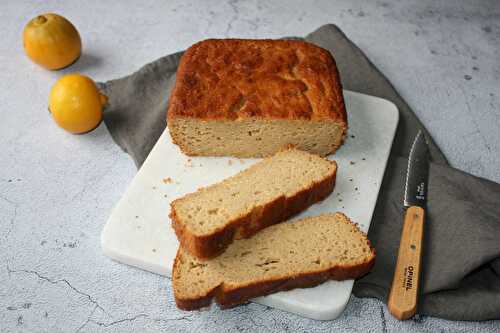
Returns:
(461, 264)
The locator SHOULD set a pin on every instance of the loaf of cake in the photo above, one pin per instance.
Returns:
(251, 98)
(288, 255)
(266, 193)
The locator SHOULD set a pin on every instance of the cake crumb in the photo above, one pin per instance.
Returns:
(352, 136)
(154, 250)
(364, 159)
(350, 179)
(154, 187)
(352, 162)
(355, 188)
(340, 199)
(164, 195)
(189, 163)
(137, 216)
(230, 162)
(167, 180)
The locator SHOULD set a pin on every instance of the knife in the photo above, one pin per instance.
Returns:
(403, 296)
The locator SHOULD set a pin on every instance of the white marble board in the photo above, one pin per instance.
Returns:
(138, 231)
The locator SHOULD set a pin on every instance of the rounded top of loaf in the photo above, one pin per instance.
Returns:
(230, 79)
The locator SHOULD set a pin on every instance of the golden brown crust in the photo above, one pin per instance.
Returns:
(269, 79)
(306, 280)
(209, 246)
(241, 294)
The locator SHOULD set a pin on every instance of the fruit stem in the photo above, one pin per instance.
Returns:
(40, 19)
(103, 98)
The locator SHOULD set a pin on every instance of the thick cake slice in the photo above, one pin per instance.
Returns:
(288, 255)
(266, 193)
(251, 98)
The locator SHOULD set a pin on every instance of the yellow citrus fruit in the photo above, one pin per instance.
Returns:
(76, 103)
(51, 41)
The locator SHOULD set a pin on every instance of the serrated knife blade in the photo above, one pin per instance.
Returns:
(417, 174)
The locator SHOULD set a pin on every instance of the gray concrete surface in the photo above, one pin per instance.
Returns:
(57, 189)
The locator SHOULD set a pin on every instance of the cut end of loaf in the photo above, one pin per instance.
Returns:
(255, 137)
(290, 255)
(266, 193)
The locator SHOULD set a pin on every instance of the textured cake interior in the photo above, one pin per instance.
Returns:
(255, 137)
(285, 250)
(284, 174)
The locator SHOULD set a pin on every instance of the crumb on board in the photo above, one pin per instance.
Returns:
(154, 187)
(167, 180)
(356, 189)
(340, 199)
(352, 162)
(230, 162)
(352, 136)
(364, 159)
(350, 179)
(164, 195)
(154, 250)
(137, 216)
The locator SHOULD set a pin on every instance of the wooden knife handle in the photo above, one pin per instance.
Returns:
(402, 301)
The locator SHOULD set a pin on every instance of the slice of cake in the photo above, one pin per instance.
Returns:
(266, 193)
(288, 255)
(251, 98)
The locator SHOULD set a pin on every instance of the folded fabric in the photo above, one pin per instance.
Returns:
(461, 264)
